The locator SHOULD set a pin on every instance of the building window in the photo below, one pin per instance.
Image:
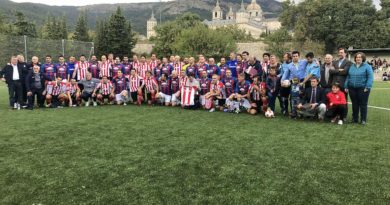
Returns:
(257, 13)
(216, 14)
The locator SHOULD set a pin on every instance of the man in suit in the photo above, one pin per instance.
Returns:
(326, 77)
(35, 85)
(23, 65)
(313, 101)
(13, 77)
(340, 72)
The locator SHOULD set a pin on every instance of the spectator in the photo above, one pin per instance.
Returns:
(359, 83)
(13, 77)
(313, 101)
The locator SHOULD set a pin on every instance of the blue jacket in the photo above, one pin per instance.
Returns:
(362, 77)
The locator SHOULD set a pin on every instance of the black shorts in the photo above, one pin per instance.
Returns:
(221, 102)
(134, 96)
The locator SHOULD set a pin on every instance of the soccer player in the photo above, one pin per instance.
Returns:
(94, 68)
(177, 65)
(104, 90)
(165, 93)
(258, 96)
(192, 67)
(61, 68)
(74, 93)
(240, 95)
(135, 63)
(136, 85)
(51, 92)
(117, 66)
(49, 69)
(240, 64)
(175, 88)
(126, 66)
(216, 90)
(212, 69)
(166, 68)
(71, 65)
(204, 82)
(81, 68)
(151, 88)
(64, 95)
(111, 58)
(232, 64)
(105, 67)
(223, 67)
(153, 61)
(89, 85)
(265, 63)
(157, 71)
(202, 66)
(121, 83)
(143, 67)
(229, 83)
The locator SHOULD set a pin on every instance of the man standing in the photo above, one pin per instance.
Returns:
(232, 64)
(94, 68)
(312, 69)
(340, 72)
(71, 65)
(81, 68)
(326, 78)
(116, 67)
(13, 76)
(254, 69)
(61, 68)
(105, 67)
(213, 69)
(296, 69)
(48, 69)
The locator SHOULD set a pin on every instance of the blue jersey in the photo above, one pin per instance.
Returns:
(211, 70)
(165, 86)
(120, 84)
(233, 67)
(242, 88)
(70, 69)
(61, 70)
(49, 70)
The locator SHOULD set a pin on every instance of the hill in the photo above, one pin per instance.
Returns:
(138, 13)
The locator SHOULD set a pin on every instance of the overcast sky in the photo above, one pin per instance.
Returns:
(88, 2)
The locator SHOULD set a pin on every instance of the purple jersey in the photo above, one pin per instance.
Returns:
(62, 70)
(120, 84)
(94, 69)
(126, 68)
(191, 69)
(116, 68)
(165, 86)
(240, 67)
(201, 68)
(167, 69)
(211, 70)
(230, 84)
(48, 70)
(242, 88)
(157, 72)
(175, 85)
(204, 85)
(222, 71)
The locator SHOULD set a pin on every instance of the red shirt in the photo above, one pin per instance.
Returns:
(336, 98)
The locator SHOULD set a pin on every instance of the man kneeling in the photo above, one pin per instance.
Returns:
(240, 96)
(313, 102)
(104, 90)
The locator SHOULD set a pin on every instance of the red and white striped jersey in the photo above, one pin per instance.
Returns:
(153, 64)
(183, 81)
(177, 67)
(151, 84)
(142, 68)
(73, 88)
(104, 88)
(135, 82)
(105, 69)
(135, 65)
(64, 88)
(81, 69)
(50, 87)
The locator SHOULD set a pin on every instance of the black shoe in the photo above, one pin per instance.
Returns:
(29, 108)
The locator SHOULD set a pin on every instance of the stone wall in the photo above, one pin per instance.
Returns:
(141, 48)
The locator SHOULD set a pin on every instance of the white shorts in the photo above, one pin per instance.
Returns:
(175, 99)
(167, 98)
(121, 98)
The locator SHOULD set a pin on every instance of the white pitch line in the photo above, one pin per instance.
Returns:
(379, 108)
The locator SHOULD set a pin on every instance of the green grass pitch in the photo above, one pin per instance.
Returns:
(158, 155)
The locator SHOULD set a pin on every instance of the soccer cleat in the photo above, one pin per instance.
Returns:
(87, 104)
(340, 122)
(364, 122)
(124, 104)
(212, 110)
(94, 104)
(18, 106)
(15, 105)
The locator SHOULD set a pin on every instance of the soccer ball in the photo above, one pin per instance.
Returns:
(286, 83)
(269, 114)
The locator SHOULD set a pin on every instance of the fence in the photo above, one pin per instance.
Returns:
(13, 45)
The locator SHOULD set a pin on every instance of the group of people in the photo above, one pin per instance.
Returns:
(241, 83)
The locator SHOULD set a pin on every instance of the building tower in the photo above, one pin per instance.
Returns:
(242, 16)
(151, 26)
(230, 14)
(255, 11)
(217, 12)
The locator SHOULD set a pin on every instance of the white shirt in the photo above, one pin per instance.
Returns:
(15, 73)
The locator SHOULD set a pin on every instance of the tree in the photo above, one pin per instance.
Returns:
(278, 42)
(169, 31)
(81, 30)
(202, 40)
(51, 29)
(63, 28)
(23, 27)
(115, 35)
(336, 23)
